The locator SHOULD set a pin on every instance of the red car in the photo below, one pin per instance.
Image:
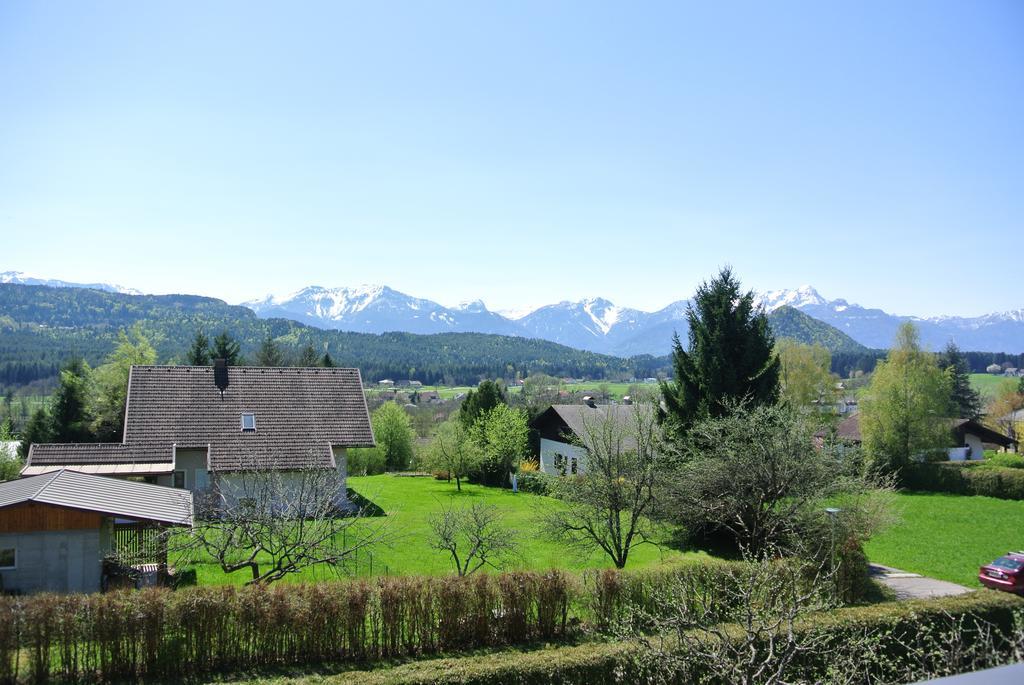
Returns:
(1005, 573)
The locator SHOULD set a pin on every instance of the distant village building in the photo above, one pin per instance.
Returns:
(969, 437)
(563, 430)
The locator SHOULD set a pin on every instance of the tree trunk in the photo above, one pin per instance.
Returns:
(458, 484)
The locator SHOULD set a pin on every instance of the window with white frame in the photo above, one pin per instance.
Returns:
(8, 558)
(249, 423)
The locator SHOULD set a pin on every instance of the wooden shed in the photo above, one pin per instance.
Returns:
(57, 529)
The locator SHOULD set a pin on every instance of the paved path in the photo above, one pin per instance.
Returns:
(913, 586)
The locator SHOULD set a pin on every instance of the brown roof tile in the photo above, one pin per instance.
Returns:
(300, 413)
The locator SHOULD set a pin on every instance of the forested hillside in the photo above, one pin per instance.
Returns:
(40, 327)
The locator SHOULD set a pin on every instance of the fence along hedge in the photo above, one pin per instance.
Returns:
(159, 633)
(614, 662)
(1003, 483)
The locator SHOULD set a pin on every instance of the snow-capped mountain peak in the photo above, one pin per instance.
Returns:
(803, 296)
(472, 306)
(603, 313)
(22, 278)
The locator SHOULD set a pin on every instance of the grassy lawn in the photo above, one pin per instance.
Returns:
(949, 536)
(988, 385)
(409, 502)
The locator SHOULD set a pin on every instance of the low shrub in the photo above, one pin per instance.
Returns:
(535, 482)
(958, 479)
(1003, 460)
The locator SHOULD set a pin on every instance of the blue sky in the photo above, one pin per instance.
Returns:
(519, 152)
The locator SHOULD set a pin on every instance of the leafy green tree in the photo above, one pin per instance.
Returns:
(906, 408)
(966, 399)
(227, 348)
(10, 464)
(109, 388)
(199, 352)
(729, 357)
(308, 356)
(70, 413)
(38, 430)
(269, 353)
(759, 475)
(804, 373)
(502, 436)
(394, 435)
(453, 450)
(488, 395)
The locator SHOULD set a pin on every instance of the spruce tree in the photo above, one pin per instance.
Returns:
(488, 395)
(199, 352)
(227, 348)
(729, 357)
(269, 353)
(38, 430)
(966, 400)
(70, 416)
(327, 362)
(308, 356)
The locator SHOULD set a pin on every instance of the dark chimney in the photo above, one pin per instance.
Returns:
(220, 375)
(589, 401)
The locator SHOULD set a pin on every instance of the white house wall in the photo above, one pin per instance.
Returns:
(977, 449)
(549, 449)
(54, 561)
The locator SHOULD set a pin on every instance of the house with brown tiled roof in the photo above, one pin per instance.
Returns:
(195, 426)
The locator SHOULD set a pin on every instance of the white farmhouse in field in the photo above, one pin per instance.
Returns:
(564, 429)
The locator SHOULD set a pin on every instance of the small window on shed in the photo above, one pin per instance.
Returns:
(248, 422)
(8, 558)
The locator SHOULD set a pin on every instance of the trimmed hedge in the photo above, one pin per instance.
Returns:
(605, 662)
(157, 633)
(1002, 483)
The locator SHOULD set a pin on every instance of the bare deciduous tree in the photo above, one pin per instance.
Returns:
(275, 523)
(473, 537)
(609, 504)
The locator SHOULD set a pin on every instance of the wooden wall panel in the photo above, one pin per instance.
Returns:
(32, 516)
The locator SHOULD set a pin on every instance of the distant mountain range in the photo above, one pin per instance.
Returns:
(598, 325)
(22, 278)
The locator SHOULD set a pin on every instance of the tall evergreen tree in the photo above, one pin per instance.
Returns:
(327, 362)
(729, 357)
(38, 430)
(227, 348)
(199, 352)
(70, 414)
(269, 353)
(966, 400)
(308, 356)
(488, 395)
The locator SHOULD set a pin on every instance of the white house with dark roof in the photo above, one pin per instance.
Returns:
(564, 431)
(193, 426)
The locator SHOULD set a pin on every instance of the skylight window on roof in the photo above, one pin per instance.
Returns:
(249, 422)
